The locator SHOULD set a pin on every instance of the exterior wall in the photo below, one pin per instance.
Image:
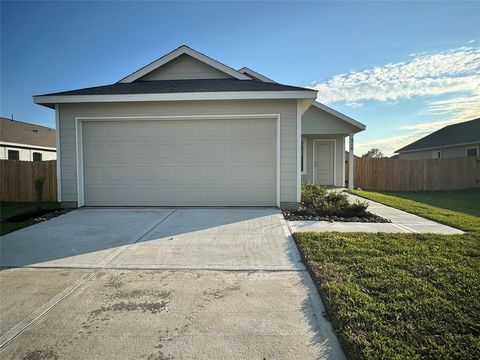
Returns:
(185, 67)
(26, 154)
(339, 159)
(317, 121)
(448, 152)
(288, 122)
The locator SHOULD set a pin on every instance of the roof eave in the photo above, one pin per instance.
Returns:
(434, 147)
(49, 100)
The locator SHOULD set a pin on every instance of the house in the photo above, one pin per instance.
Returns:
(28, 142)
(458, 140)
(187, 130)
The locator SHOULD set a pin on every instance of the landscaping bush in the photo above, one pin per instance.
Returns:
(317, 198)
(313, 196)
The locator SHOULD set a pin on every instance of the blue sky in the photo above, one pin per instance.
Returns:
(402, 68)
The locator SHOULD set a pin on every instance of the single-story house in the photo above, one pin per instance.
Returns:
(457, 140)
(27, 142)
(187, 130)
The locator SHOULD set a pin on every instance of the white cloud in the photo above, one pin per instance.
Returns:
(452, 74)
(447, 72)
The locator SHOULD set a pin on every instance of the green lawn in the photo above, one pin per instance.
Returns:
(8, 209)
(404, 296)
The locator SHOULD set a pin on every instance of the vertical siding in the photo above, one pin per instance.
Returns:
(286, 109)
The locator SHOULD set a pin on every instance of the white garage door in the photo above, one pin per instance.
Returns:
(180, 163)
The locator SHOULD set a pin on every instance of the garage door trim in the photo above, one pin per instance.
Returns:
(79, 139)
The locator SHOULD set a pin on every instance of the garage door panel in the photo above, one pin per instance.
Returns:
(165, 151)
(265, 129)
(180, 163)
(165, 173)
(264, 151)
(191, 150)
(264, 173)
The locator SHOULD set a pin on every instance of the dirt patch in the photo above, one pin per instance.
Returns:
(154, 307)
(216, 294)
(41, 354)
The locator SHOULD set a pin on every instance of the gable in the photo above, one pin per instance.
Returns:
(318, 121)
(185, 67)
(206, 66)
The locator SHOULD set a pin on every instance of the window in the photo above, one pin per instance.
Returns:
(303, 163)
(472, 151)
(437, 154)
(13, 155)
(37, 156)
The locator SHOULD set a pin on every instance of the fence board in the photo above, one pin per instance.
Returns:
(17, 180)
(416, 175)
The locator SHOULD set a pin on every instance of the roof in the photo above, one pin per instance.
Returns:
(467, 132)
(255, 75)
(133, 88)
(355, 123)
(18, 132)
(180, 86)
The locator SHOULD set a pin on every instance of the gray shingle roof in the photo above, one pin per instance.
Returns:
(14, 131)
(180, 86)
(461, 133)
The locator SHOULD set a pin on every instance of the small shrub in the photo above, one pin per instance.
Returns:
(359, 206)
(313, 195)
(336, 201)
(316, 199)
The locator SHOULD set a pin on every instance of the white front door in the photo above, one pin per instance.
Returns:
(324, 162)
(216, 162)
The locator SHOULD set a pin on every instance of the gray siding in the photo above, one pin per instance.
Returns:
(317, 121)
(185, 67)
(286, 109)
(339, 151)
(448, 152)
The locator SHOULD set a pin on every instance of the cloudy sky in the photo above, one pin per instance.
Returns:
(404, 68)
(432, 90)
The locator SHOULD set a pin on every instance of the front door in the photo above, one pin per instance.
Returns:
(323, 162)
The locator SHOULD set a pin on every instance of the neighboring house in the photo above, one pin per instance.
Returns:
(27, 142)
(187, 130)
(458, 140)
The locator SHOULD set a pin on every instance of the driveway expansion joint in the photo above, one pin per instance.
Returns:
(12, 334)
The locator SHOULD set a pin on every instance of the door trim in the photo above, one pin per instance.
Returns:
(79, 139)
(334, 158)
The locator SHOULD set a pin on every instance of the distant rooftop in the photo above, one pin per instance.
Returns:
(19, 132)
(467, 132)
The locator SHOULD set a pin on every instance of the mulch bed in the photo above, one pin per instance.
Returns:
(37, 216)
(320, 215)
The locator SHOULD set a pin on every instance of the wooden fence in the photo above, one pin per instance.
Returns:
(415, 175)
(17, 180)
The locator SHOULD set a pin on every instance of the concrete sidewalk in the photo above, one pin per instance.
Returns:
(402, 222)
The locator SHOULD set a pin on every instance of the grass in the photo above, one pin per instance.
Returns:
(8, 209)
(458, 208)
(404, 296)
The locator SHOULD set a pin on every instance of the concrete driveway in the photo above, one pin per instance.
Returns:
(160, 284)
